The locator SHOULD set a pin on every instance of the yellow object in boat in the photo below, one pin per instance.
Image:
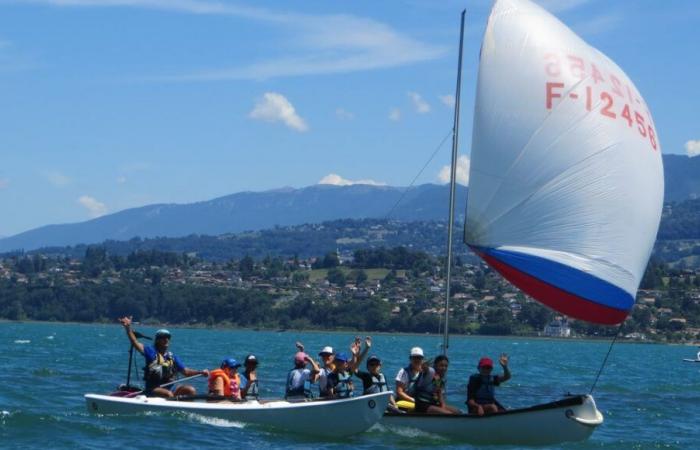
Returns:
(406, 405)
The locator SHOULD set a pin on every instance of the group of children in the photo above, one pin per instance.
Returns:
(420, 386)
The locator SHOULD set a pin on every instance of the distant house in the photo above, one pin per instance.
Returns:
(559, 327)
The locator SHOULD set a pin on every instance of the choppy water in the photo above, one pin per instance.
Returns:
(649, 397)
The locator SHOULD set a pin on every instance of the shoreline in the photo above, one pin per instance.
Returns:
(362, 333)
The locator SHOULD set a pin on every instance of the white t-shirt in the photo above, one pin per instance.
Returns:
(425, 381)
(323, 379)
(298, 377)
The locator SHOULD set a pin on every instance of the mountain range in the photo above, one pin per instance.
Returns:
(248, 211)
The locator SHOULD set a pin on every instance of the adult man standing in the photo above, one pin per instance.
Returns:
(162, 366)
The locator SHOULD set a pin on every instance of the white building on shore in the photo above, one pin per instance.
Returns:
(559, 327)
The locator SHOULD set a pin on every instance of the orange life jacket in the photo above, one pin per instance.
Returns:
(232, 385)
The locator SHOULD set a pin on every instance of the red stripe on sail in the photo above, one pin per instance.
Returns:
(560, 300)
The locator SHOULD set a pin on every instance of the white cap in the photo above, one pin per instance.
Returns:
(417, 351)
(326, 349)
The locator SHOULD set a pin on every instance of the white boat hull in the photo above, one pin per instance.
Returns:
(342, 417)
(568, 420)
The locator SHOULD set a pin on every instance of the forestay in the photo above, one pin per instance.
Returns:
(566, 178)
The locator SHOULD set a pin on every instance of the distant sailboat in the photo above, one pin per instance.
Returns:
(565, 197)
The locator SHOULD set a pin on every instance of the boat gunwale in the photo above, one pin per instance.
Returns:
(264, 405)
(574, 400)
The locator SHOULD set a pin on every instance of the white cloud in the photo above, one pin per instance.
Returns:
(462, 171)
(324, 44)
(57, 178)
(274, 107)
(4, 182)
(337, 180)
(344, 114)
(692, 148)
(447, 100)
(419, 104)
(121, 179)
(395, 114)
(95, 208)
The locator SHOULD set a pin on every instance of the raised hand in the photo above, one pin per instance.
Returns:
(368, 341)
(355, 348)
(299, 346)
(503, 359)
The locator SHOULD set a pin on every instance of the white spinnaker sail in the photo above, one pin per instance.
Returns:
(566, 178)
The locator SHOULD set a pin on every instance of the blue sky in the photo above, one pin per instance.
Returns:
(111, 104)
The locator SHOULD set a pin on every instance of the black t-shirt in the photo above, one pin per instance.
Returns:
(366, 378)
(475, 382)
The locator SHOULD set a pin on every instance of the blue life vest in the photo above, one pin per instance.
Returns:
(341, 384)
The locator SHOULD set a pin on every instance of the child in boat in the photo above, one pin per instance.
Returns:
(340, 380)
(225, 381)
(299, 379)
(441, 365)
(373, 381)
(249, 378)
(481, 397)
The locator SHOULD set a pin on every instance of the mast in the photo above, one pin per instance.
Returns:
(453, 182)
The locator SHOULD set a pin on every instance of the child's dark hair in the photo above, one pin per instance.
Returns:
(439, 359)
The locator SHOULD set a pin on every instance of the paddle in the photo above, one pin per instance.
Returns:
(170, 383)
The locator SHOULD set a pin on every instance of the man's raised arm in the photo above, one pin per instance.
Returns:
(126, 323)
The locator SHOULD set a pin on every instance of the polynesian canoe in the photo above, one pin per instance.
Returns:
(340, 417)
(570, 419)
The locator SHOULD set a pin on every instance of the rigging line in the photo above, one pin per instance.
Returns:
(602, 366)
(420, 172)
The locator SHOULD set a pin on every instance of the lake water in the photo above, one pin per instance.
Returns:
(649, 397)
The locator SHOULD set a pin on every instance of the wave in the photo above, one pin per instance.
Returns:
(223, 423)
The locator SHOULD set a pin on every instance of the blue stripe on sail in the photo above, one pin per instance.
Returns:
(566, 278)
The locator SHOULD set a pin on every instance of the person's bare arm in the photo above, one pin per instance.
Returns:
(368, 345)
(506, 372)
(218, 388)
(126, 323)
(191, 372)
(359, 356)
(315, 370)
(401, 393)
(252, 377)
